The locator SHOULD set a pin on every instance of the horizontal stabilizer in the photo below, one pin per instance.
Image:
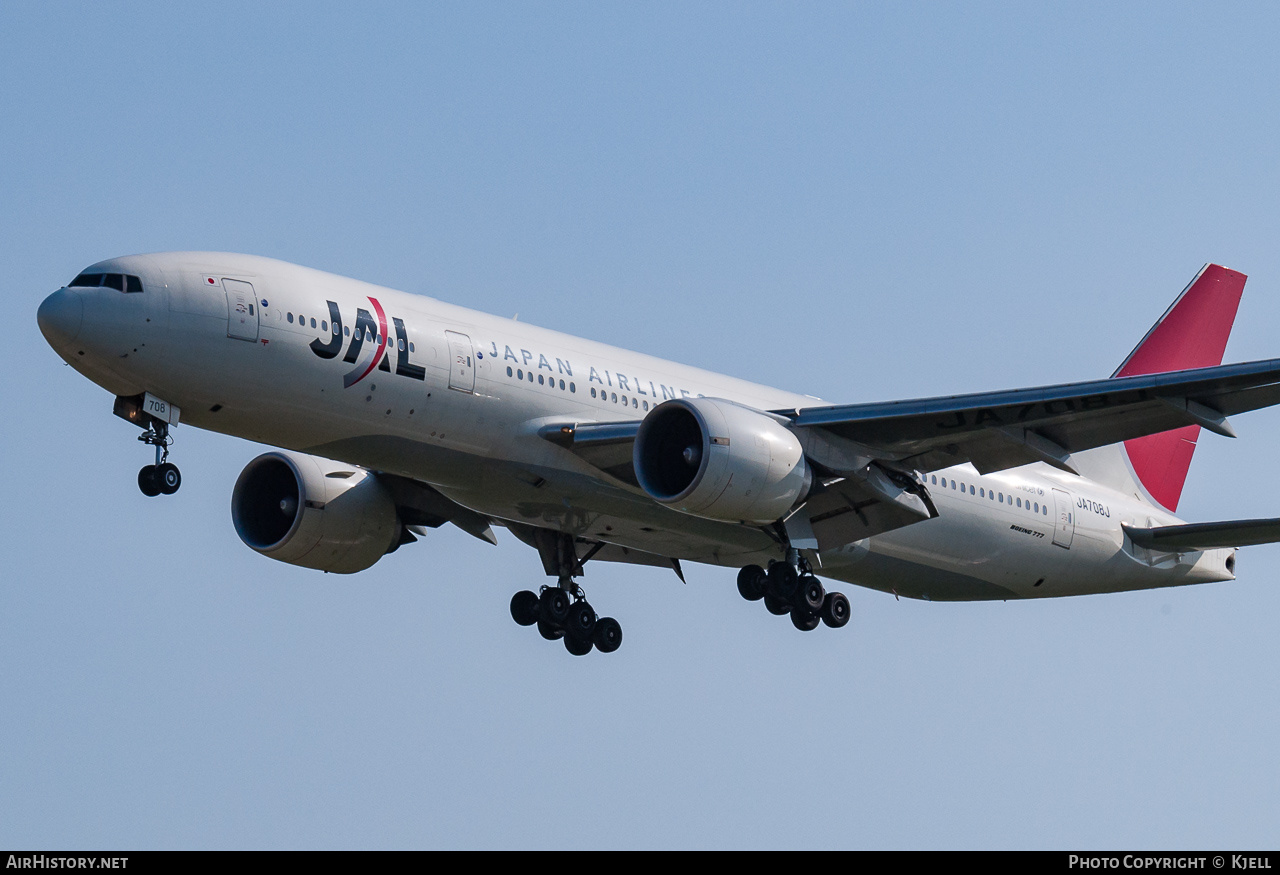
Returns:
(1206, 536)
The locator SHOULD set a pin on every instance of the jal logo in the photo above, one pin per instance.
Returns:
(370, 331)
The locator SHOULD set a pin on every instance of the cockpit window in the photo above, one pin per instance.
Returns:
(118, 281)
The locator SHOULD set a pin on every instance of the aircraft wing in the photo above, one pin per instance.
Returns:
(1206, 536)
(999, 430)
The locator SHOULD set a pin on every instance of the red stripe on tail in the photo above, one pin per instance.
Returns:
(1192, 333)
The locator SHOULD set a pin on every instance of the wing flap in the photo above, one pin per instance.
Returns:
(998, 430)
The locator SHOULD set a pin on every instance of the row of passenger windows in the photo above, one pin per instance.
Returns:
(543, 379)
(983, 492)
(521, 374)
(613, 396)
(346, 332)
(121, 282)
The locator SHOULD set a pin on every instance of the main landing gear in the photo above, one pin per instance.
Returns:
(792, 589)
(562, 612)
(163, 477)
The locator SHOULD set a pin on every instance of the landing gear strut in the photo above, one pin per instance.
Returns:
(790, 587)
(163, 477)
(562, 611)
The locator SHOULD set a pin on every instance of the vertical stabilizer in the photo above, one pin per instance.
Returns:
(1192, 333)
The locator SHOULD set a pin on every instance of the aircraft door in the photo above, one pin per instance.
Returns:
(1065, 527)
(462, 371)
(242, 310)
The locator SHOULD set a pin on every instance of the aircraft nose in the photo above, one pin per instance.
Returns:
(60, 316)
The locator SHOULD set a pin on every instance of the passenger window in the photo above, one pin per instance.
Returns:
(562, 385)
(290, 318)
(1046, 510)
(508, 370)
(615, 397)
(1019, 502)
(593, 391)
(540, 380)
(313, 322)
(935, 479)
(646, 405)
(1037, 507)
(953, 484)
(1002, 498)
(520, 374)
(573, 388)
(634, 403)
(982, 493)
(971, 492)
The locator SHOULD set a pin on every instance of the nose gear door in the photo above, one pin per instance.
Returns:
(462, 371)
(242, 310)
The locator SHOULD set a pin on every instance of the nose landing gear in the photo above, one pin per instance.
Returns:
(162, 478)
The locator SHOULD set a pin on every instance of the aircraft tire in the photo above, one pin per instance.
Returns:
(835, 609)
(553, 605)
(810, 595)
(549, 631)
(804, 619)
(577, 646)
(169, 478)
(148, 482)
(783, 580)
(581, 622)
(776, 606)
(607, 635)
(752, 581)
(524, 607)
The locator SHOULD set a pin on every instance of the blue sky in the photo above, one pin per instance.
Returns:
(860, 202)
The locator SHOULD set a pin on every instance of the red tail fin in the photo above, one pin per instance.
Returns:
(1192, 333)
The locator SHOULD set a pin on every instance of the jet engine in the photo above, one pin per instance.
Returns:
(716, 459)
(314, 512)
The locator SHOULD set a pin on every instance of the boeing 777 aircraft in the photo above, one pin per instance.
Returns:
(396, 413)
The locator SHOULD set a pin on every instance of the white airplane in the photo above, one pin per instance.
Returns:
(398, 412)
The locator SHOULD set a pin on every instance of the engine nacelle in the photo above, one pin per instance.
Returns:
(716, 459)
(314, 512)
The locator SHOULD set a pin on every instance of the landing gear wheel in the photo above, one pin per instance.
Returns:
(775, 605)
(751, 583)
(804, 619)
(524, 608)
(607, 635)
(169, 478)
(549, 631)
(783, 580)
(835, 609)
(811, 594)
(148, 481)
(581, 622)
(553, 606)
(577, 646)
